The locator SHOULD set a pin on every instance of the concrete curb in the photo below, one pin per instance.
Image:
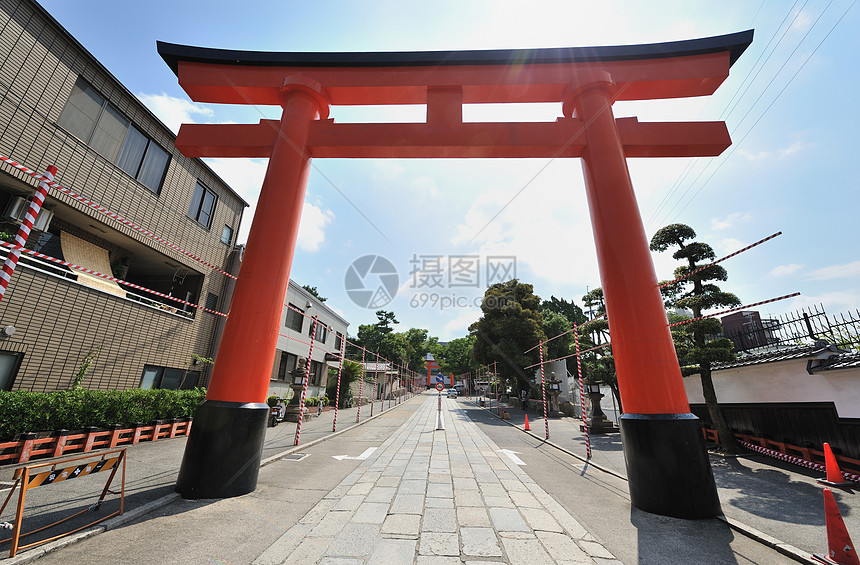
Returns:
(784, 548)
(37, 552)
(31, 555)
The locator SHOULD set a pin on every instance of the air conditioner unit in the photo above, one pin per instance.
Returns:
(17, 208)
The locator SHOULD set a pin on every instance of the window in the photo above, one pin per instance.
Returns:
(287, 364)
(89, 116)
(322, 332)
(9, 363)
(295, 317)
(166, 377)
(211, 301)
(338, 341)
(315, 376)
(202, 205)
(226, 235)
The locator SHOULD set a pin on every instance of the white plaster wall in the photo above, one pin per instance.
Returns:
(783, 381)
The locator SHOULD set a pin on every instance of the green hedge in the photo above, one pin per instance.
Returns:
(25, 411)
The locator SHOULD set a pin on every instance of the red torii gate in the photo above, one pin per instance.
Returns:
(668, 469)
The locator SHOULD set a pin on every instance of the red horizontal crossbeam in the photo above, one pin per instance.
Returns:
(563, 138)
(643, 79)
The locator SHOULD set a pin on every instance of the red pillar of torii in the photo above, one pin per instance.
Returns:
(668, 469)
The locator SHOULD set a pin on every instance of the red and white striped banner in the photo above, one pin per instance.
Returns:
(337, 392)
(796, 460)
(15, 247)
(729, 256)
(543, 390)
(360, 384)
(25, 228)
(305, 383)
(581, 392)
(113, 215)
(792, 295)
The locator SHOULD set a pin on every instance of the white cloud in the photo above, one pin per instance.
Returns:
(730, 220)
(847, 270)
(459, 326)
(776, 154)
(728, 245)
(173, 111)
(312, 227)
(786, 270)
(833, 302)
(245, 176)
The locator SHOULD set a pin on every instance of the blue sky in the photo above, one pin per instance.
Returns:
(788, 104)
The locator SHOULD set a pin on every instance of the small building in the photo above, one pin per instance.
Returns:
(294, 339)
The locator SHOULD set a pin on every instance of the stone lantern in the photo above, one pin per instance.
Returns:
(554, 389)
(598, 423)
(299, 374)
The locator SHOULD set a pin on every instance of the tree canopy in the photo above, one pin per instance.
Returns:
(695, 343)
(510, 324)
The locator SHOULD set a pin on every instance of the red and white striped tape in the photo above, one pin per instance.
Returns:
(796, 460)
(572, 354)
(360, 384)
(581, 392)
(305, 383)
(337, 393)
(729, 256)
(110, 214)
(25, 228)
(792, 295)
(543, 390)
(16, 247)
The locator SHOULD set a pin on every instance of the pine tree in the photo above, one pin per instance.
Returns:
(697, 350)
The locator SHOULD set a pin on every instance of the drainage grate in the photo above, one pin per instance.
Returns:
(295, 457)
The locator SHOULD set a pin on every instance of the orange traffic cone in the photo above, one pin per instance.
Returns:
(527, 428)
(839, 547)
(834, 478)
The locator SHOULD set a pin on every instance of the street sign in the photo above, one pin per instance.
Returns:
(440, 387)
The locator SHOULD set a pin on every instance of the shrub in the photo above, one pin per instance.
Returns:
(24, 411)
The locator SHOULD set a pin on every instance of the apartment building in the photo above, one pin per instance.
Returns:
(294, 339)
(59, 106)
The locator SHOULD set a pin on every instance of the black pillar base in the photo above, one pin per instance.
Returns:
(223, 454)
(668, 469)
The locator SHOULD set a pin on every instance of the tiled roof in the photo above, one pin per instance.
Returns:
(844, 361)
(770, 357)
(840, 359)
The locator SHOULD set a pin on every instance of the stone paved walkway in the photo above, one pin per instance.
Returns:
(430, 496)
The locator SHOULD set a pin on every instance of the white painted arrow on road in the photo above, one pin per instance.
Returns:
(361, 457)
(512, 455)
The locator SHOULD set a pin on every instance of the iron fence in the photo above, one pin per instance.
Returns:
(799, 328)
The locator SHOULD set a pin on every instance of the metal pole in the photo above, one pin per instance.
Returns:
(360, 385)
(25, 227)
(581, 393)
(543, 391)
(305, 384)
(337, 393)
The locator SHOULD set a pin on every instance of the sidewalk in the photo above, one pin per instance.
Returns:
(776, 502)
(430, 496)
(150, 475)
